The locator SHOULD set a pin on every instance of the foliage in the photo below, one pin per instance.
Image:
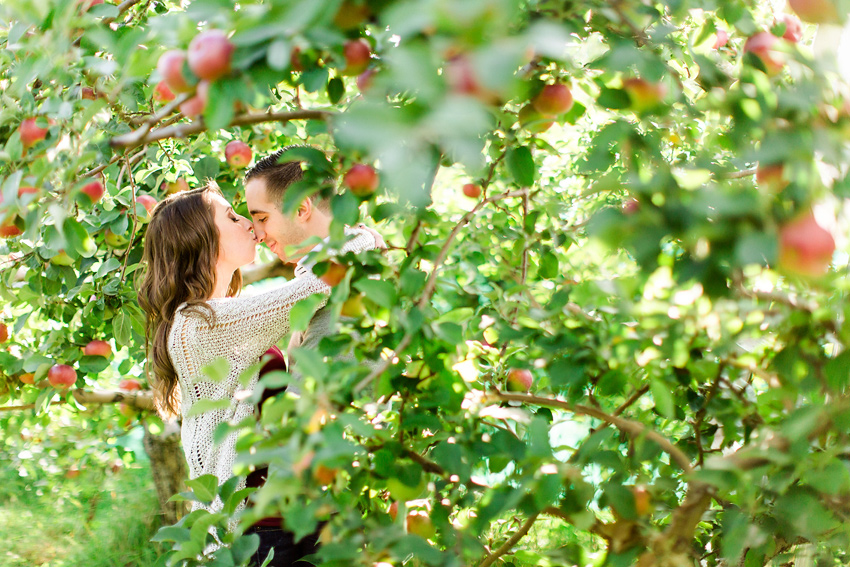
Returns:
(689, 386)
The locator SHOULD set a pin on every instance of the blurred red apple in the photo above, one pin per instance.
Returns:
(805, 247)
(721, 39)
(533, 121)
(27, 378)
(24, 190)
(161, 92)
(334, 274)
(31, 133)
(357, 56)
(171, 187)
(793, 27)
(130, 384)
(644, 95)
(816, 11)
(209, 55)
(195, 106)
(762, 46)
(361, 180)
(364, 80)
(9, 228)
(97, 348)
(170, 68)
(4, 333)
(419, 523)
(770, 176)
(147, 202)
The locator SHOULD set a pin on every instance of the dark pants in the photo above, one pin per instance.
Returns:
(286, 551)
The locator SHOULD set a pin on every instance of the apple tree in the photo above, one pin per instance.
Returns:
(609, 327)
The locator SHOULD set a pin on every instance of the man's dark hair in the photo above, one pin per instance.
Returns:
(280, 175)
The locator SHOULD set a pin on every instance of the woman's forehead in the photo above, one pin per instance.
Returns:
(218, 202)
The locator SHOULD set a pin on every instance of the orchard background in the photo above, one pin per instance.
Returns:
(610, 324)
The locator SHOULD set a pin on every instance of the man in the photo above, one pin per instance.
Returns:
(265, 186)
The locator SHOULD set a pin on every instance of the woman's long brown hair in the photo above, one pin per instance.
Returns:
(180, 254)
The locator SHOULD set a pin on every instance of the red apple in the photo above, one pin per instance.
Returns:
(805, 247)
(393, 511)
(24, 190)
(195, 106)
(761, 45)
(161, 93)
(9, 228)
(171, 187)
(721, 39)
(27, 378)
(88, 93)
(147, 202)
(31, 133)
(533, 121)
(295, 60)
(238, 154)
(209, 55)
(357, 53)
(93, 190)
(419, 523)
(72, 472)
(61, 376)
(816, 11)
(472, 190)
(114, 240)
(334, 274)
(462, 78)
(770, 176)
(4, 333)
(324, 475)
(553, 100)
(130, 384)
(644, 95)
(519, 380)
(361, 180)
(170, 68)
(793, 27)
(97, 348)
(127, 410)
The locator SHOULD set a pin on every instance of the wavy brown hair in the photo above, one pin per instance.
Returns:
(180, 254)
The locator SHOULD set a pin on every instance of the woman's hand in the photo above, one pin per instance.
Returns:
(379, 240)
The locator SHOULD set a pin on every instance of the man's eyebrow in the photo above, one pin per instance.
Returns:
(254, 212)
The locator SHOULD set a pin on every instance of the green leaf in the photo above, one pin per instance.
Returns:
(244, 547)
(207, 168)
(220, 102)
(204, 487)
(278, 54)
(203, 406)
(121, 329)
(302, 312)
(521, 166)
(79, 238)
(217, 370)
(663, 397)
(171, 533)
(837, 371)
(336, 90)
(381, 292)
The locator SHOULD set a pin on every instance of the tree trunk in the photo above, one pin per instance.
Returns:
(168, 467)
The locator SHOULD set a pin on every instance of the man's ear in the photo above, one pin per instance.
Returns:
(305, 210)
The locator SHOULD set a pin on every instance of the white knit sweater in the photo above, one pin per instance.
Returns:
(245, 328)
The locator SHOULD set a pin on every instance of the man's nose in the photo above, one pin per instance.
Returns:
(259, 233)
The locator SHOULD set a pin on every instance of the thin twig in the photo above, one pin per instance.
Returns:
(512, 541)
(135, 220)
(122, 7)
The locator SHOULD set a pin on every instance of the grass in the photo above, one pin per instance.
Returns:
(102, 521)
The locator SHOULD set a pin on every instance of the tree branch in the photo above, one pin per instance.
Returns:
(143, 136)
(634, 428)
(142, 399)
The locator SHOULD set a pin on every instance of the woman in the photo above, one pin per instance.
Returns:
(194, 247)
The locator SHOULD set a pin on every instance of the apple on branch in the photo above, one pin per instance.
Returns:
(4, 333)
(9, 228)
(519, 380)
(721, 38)
(357, 54)
(238, 154)
(472, 190)
(419, 523)
(793, 27)
(361, 179)
(770, 176)
(61, 376)
(531, 119)
(644, 95)
(553, 100)
(62, 259)
(171, 187)
(161, 92)
(209, 55)
(147, 202)
(94, 191)
(27, 378)
(196, 105)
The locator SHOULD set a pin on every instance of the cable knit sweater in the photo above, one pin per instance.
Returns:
(245, 327)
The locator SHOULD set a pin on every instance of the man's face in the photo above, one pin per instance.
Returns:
(271, 226)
